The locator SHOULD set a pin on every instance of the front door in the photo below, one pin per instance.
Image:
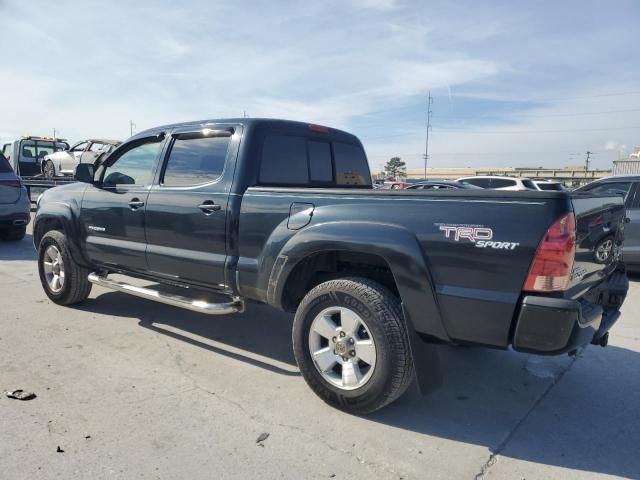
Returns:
(187, 208)
(113, 211)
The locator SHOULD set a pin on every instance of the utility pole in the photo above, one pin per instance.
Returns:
(586, 161)
(132, 127)
(244, 114)
(426, 146)
(54, 132)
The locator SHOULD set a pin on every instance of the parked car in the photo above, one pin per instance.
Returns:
(64, 163)
(550, 185)
(628, 187)
(284, 213)
(15, 207)
(500, 183)
(442, 185)
(26, 154)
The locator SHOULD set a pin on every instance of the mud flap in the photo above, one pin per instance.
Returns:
(426, 359)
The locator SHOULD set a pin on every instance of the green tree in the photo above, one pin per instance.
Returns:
(395, 166)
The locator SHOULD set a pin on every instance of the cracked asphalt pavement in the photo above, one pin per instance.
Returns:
(127, 389)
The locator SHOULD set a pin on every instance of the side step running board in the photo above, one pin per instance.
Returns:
(235, 306)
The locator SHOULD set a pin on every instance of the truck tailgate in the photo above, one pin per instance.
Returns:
(600, 224)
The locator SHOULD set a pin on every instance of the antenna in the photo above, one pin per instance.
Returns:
(426, 146)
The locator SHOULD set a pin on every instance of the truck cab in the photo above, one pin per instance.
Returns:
(26, 154)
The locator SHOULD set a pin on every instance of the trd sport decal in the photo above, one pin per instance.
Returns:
(479, 235)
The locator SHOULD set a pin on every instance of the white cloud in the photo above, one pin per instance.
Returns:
(364, 66)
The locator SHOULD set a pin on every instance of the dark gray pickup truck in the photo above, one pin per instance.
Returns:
(284, 213)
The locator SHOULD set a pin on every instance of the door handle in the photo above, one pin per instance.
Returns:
(136, 203)
(208, 207)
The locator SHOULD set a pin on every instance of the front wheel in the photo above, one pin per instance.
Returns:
(63, 280)
(350, 341)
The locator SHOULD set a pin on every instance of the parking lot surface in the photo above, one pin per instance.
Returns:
(127, 388)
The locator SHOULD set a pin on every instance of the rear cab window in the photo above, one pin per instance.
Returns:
(529, 184)
(299, 160)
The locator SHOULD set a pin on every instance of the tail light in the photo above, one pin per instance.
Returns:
(552, 265)
(11, 183)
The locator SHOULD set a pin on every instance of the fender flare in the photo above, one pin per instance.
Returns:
(398, 246)
(63, 214)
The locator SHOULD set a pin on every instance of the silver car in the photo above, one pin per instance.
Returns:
(87, 151)
(15, 207)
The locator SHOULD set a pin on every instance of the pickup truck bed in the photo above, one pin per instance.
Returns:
(288, 217)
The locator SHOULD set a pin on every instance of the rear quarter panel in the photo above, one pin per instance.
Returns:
(453, 288)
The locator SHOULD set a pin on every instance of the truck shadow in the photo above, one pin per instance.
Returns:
(260, 337)
(22, 250)
(580, 414)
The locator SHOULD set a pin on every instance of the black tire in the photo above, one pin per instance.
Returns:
(393, 371)
(48, 169)
(76, 287)
(14, 234)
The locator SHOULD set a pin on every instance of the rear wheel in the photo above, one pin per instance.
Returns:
(48, 169)
(63, 280)
(351, 344)
(604, 250)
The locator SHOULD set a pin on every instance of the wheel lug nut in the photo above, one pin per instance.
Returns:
(342, 334)
(353, 353)
(352, 341)
(333, 339)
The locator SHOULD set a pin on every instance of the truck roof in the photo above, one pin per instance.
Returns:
(251, 122)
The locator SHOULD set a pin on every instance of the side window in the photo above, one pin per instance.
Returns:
(610, 188)
(134, 167)
(529, 184)
(80, 147)
(320, 168)
(479, 182)
(284, 161)
(6, 150)
(28, 150)
(96, 147)
(636, 200)
(4, 165)
(44, 148)
(351, 165)
(193, 161)
(502, 182)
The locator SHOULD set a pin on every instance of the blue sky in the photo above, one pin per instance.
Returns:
(514, 83)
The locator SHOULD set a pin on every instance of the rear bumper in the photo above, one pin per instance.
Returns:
(8, 220)
(550, 326)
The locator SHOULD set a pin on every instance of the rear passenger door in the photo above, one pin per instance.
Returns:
(186, 211)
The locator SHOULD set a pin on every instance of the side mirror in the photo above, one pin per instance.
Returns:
(85, 173)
